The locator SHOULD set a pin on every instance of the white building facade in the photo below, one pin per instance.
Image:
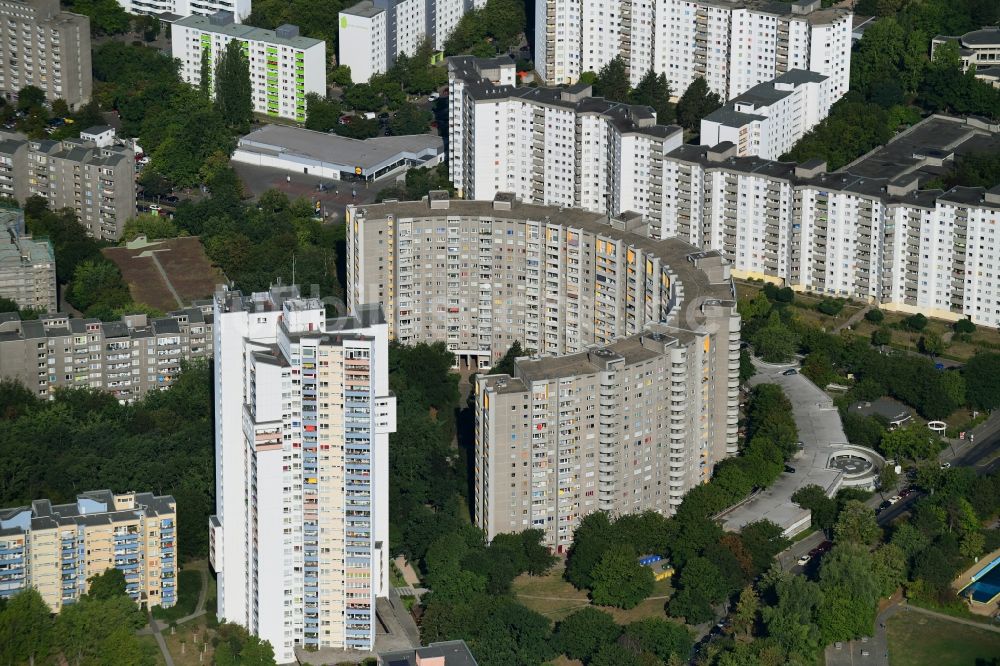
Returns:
(865, 232)
(303, 414)
(373, 33)
(239, 8)
(767, 120)
(284, 67)
(558, 147)
(733, 44)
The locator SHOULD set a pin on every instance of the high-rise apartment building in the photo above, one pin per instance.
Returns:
(240, 9)
(284, 67)
(128, 358)
(47, 48)
(57, 548)
(373, 33)
(300, 540)
(868, 231)
(767, 120)
(632, 394)
(552, 146)
(27, 266)
(733, 44)
(98, 183)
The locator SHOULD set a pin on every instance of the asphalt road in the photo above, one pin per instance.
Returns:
(978, 452)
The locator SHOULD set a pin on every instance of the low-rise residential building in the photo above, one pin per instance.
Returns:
(732, 44)
(98, 183)
(445, 653)
(552, 146)
(284, 66)
(374, 33)
(631, 397)
(27, 266)
(47, 48)
(128, 358)
(979, 51)
(178, 8)
(57, 548)
(767, 120)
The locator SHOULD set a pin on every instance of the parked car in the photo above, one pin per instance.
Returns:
(790, 372)
(433, 97)
(789, 469)
(945, 465)
(804, 560)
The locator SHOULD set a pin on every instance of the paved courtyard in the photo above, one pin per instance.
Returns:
(820, 430)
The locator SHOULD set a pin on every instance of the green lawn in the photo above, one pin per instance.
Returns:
(919, 640)
(188, 589)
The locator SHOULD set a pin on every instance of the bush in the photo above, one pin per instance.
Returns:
(964, 326)
(831, 306)
(875, 316)
(917, 322)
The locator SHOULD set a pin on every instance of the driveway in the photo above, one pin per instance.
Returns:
(820, 430)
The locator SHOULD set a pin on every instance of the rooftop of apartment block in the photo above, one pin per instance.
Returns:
(446, 653)
(763, 95)
(223, 24)
(45, 10)
(96, 507)
(18, 251)
(892, 172)
(76, 150)
(365, 8)
(811, 10)
(135, 326)
(627, 118)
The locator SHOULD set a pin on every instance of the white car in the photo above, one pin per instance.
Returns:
(894, 499)
(945, 465)
(804, 560)
(432, 97)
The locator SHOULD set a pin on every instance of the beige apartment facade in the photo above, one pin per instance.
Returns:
(47, 48)
(27, 266)
(630, 395)
(57, 548)
(128, 358)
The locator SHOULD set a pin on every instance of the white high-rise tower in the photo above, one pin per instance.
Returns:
(302, 420)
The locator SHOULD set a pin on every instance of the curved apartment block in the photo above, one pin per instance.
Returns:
(630, 396)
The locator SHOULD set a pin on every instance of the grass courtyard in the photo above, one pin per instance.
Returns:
(919, 640)
(555, 598)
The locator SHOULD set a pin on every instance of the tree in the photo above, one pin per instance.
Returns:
(612, 81)
(823, 508)
(875, 316)
(153, 227)
(106, 16)
(964, 326)
(30, 97)
(322, 115)
(909, 443)
(654, 90)
(916, 322)
(619, 580)
(410, 119)
(25, 628)
(888, 478)
(889, 567)
(881, 337)
(775, 342)
(583, 632)
(107, 585)
(506, 364)
(746, 367)
(207, 85)
(746, 611)
(340, 75)
(931, 344)
(657, 636)
(148, 25)
(233, 93)
(696, 103)
(613, 654)
(592, 537)
(982, 380)
(856, 524)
